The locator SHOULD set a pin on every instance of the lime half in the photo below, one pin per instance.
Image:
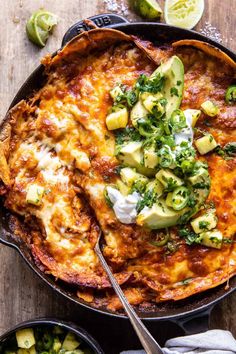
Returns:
(148, 8)
(39, 26)
(183, 13)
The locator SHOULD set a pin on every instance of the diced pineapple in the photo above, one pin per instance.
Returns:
(137, 112)
(118, 119)
(205, 144)
(115, 92)
(205, 222)
(202, 176)
(56, 345)
(156, 187)
(31, 350)
(151, 101)
(169, 199)
(70, 342)
(123, 188)
(25, 338)
(150, 158)
(211, 239)
(129, 175)
(210, 108)
(34, 194)
(167, 177)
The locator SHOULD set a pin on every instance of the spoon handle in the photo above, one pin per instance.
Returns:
(145, 337)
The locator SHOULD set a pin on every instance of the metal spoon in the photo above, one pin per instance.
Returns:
(145, 337)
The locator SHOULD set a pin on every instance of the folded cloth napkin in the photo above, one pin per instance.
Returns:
(211, 342)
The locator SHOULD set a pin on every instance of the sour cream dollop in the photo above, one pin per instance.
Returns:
(186, 134)
(124, 206)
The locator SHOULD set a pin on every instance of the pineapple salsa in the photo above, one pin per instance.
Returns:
(162, 183)
(44, 340)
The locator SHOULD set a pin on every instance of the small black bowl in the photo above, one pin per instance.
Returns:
(78, 331)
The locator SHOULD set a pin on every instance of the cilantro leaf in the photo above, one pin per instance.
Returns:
(153, 85)
(148, 200)
(174, 91)
(189, 236)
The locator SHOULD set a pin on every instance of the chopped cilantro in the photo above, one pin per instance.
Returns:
(139, 186)
(189, 236)
(228, 151)
(179, 82)
(186, 153)
(127, 97)
(126, 135)
(171, 184)
(168, 140)
(174, 91)
(148, 200)
(171, 247)
(203, 225)
(227, 240)
(201, 185)
(186, 216)
(191, 202)
(154, 85)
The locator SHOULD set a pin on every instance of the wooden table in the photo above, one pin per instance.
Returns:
(22, 294)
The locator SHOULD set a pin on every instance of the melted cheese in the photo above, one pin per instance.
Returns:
(65, 148)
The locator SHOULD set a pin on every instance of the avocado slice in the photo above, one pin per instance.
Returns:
(131, 155)
(158, 216)
(173, 71)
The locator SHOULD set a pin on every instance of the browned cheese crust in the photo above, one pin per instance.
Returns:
(58, 140)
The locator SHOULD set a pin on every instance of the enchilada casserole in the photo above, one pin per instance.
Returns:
(137, 140)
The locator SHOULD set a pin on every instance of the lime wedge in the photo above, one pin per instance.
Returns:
(46, 20)
(39, 25)
(30, 30)
(148, 8)
(183, 13)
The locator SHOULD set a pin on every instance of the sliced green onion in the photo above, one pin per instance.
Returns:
(178, 120)
(230, 96)
(187, 166)
(180, 198)
(145, 127)
(166, 158)
(162, 240)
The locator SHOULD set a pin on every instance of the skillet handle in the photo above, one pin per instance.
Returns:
(103, 20)
(196, 323)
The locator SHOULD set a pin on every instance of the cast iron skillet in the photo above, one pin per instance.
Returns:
(49, 322)
(182, 311)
